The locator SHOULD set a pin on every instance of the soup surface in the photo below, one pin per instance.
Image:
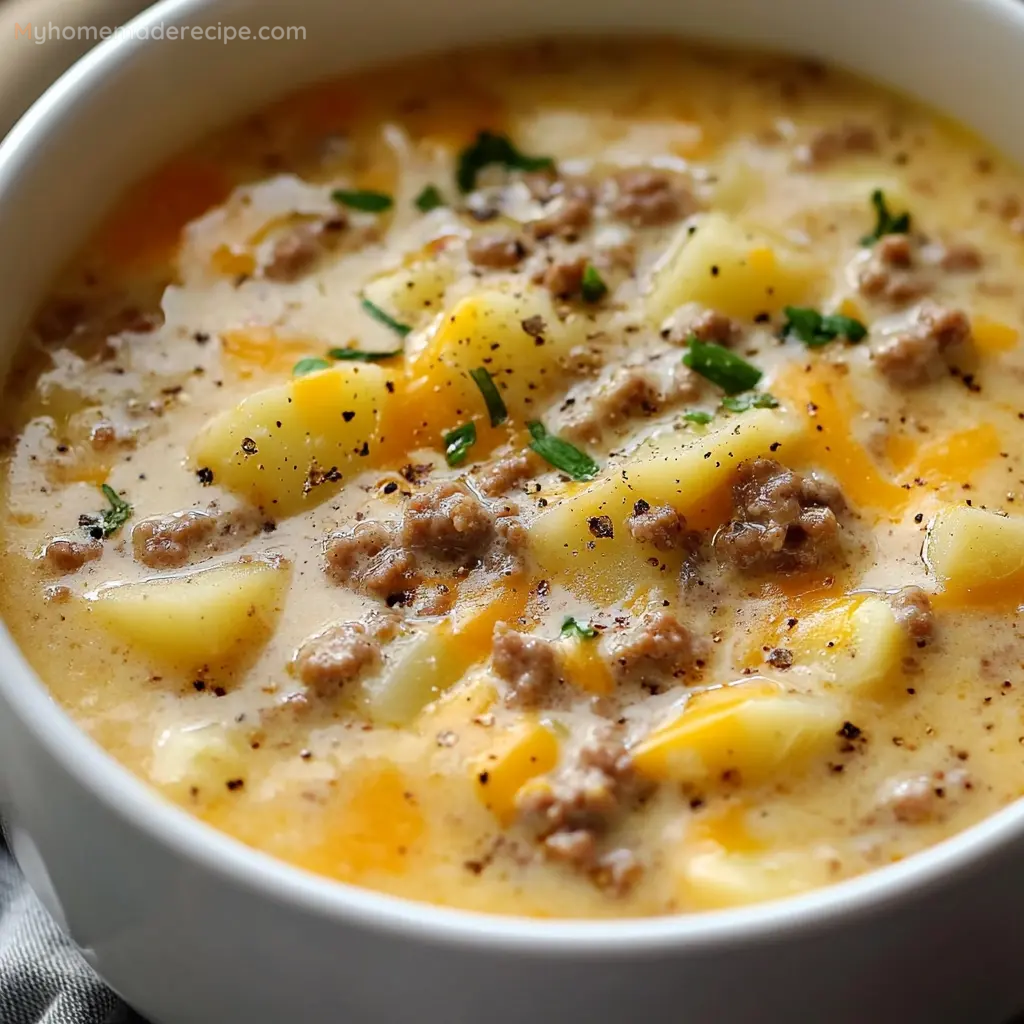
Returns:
(569, 480)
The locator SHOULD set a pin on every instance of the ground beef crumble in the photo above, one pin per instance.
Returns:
(646, 197)
(572, 809)
(913, 611)
(527, 663)
(325, 662)
(661, 526)
(656, 650)
(65, 554)
(783, 521)
(920, 354)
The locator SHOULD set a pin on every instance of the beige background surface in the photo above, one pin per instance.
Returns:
(28, 67)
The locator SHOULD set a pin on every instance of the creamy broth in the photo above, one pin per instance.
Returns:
(701, 589)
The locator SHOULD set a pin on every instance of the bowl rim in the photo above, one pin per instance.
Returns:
(132, 801)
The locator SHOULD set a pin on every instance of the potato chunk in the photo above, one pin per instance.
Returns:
(517, 337)
(755, 728)
(528, 750)
(413, 292)
(692, 474)
(210, 617)
(423, 667)
(857, 640)
(290, 447)
(731, 268)
(978, 556)
(206, 756)
(714, 877)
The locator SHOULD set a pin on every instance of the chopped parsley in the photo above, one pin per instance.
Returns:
(815, 329)
(363, 199)
(310, 365)
(717, 364)
(490, 148)
(358, 355)
(751, 400)
(561, 454)
(492, 397)
(592, 287)
(885, 222)
(429, 199)
(457, 443)
(110, 520)
(380, 316)
(572, 628)
(698, 416)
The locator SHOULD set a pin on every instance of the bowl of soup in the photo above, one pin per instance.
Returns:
(517, 513)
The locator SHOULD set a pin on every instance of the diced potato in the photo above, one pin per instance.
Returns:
(265, 447)
(977, 555)
(733, 269)
(486, 330)
(209, 617)
(692, 474)
(472, 696)
(754, 727)
(413, 292)
(521, 754)
(857, 640)
(205, 756)
(714, 877)
(425, 666)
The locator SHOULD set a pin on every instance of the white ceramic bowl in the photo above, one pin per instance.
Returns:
(193, 928)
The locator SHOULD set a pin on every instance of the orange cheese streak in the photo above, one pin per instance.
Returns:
(820, 392)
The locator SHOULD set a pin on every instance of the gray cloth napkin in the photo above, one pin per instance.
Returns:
(43, 978)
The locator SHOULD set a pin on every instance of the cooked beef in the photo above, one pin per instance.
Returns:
(330, 659)
(367, 558)
(496, 251)
(448, 523)
(528, 663)
(498, 477)
(782, 521)
(566, 215)
(168, 542)
(572, 808)
(960, 257)
(890, 272)
(829, 144)
(564, 278)
(656, 650)
(920, 354)
(647, 197)
(913, 611)
(66, 554)
(661, 526)
(296, 252)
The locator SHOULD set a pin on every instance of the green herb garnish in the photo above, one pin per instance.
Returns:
(697, 416)
(560, 454)
(580, 630)
(110, 520)
(720, 366)
(886, 223)
(815, 330)
(350, 355)
(310, 365)
(490, 148)
(495, 403)
(429, 199)
(363, 199)
(592, 288)
(457, 443)
(380, 316)
(751, 400)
